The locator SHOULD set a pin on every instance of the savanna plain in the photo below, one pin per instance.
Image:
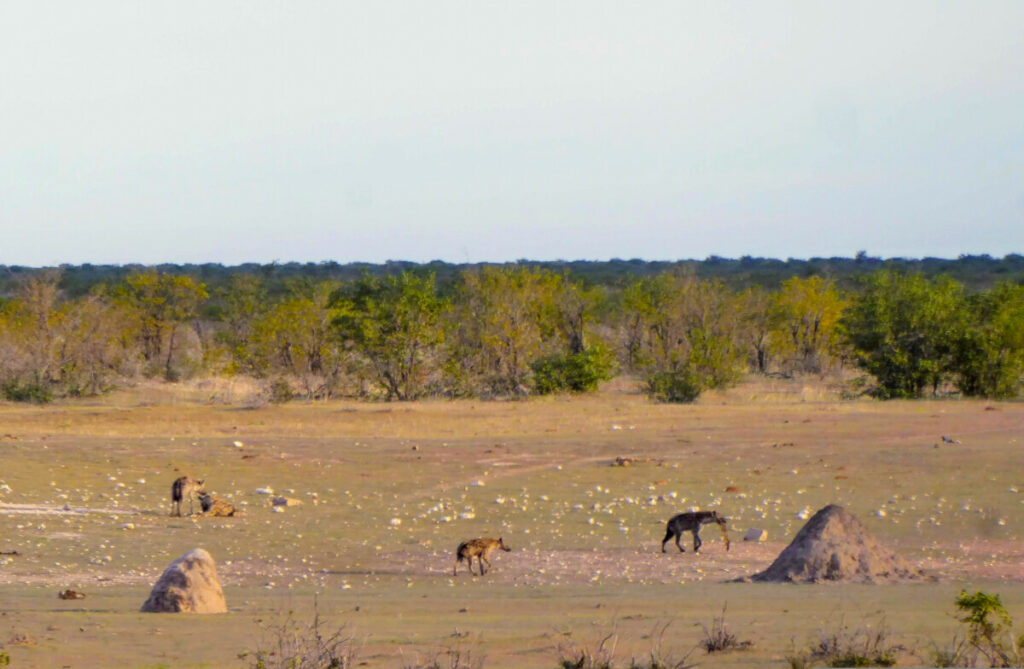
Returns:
(388, 491)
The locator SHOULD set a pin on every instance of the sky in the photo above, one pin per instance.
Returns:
(198, 131)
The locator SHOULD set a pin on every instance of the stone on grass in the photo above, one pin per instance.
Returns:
(755, 534)
(189, 585)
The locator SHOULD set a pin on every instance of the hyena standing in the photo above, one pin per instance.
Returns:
(481, 549)
(692, 522)
(184, 487)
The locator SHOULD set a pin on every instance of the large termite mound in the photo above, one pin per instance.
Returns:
(189, 585)
(834, 546)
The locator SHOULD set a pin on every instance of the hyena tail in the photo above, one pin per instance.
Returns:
(460, 555)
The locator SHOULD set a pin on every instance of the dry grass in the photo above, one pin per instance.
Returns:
(389, 490)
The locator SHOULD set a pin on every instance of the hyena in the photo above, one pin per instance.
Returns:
(692, 522)
(184, 487)
(479, 548)
(215, 506)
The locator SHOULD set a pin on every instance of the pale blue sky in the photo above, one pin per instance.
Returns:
(216, 131)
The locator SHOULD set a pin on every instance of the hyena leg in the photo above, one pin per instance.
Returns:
(696, 541)
(455, 569)
(668, 535)
(481, 566)
(679, 537)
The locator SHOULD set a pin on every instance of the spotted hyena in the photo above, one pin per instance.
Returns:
(481, 549)
(184, 487)
(692, 522)
(215, 506)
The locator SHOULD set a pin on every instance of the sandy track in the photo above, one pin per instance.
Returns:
(54, 510)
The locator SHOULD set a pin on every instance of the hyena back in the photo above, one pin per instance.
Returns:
(692, 522)
(215, 506)
(184, 487)
(481, 549)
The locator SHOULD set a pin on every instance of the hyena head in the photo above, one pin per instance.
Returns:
(205, 501)
(721, 520)
(502, 546)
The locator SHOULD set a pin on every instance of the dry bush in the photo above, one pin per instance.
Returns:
(866, 646)
(660, 658)
(453, 657)
(719, 638)
(599, 655)
(304, 645)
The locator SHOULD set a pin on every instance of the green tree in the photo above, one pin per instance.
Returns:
(293, 341)
(759, 321)
(504, 319)
(681, 335)
(246, 302)
(807, 314)
(53, 347)
(989, 357)
(903, 330)
(395, 323)
(162, 304)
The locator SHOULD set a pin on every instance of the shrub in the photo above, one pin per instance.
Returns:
(280, 391)
(988, 623)
(674, 386)
(37, 393)
(572, 372)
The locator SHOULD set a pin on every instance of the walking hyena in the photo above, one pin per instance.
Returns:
(215, 506)
(692, 522)
(481, 549)
(184, 487)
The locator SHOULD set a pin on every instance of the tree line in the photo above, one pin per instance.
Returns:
(976, 272)
(505, 331)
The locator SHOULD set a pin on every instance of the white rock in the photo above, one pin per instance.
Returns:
(755, 534)
(237, 444)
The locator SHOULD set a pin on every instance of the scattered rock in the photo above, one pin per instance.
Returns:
(622, 462)
(835, 546)
(189, 585)
(71, 594)
(732, 488)
(755, 534)
(285, 501)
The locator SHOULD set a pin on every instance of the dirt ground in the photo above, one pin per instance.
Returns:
(388, 491)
